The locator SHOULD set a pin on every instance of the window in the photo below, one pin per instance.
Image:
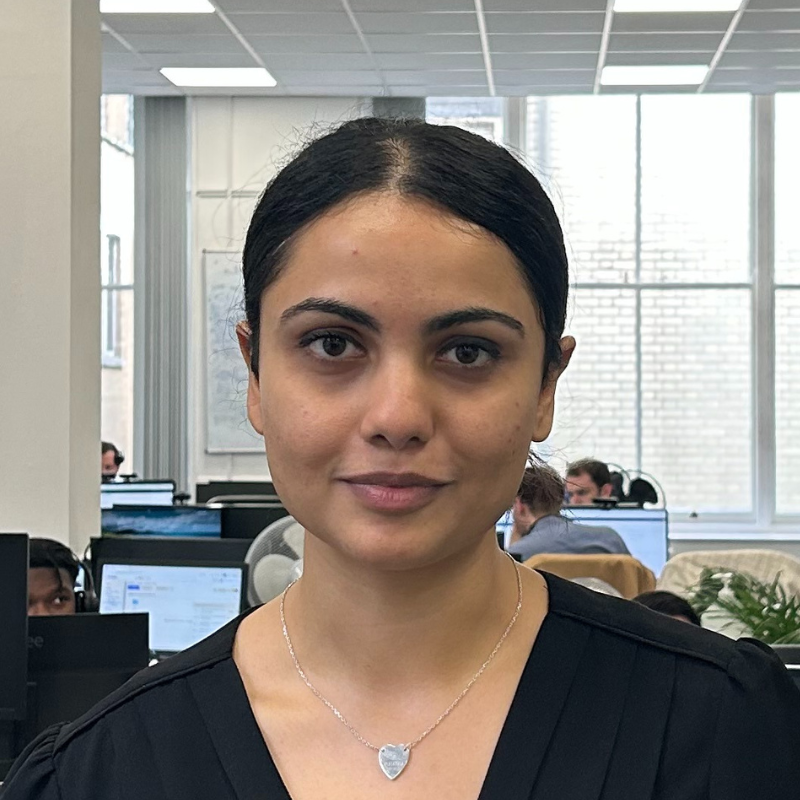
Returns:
(655, 205)
(481, 115)
(787, 304)
(116, 265)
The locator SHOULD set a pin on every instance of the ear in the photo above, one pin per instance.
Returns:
(244, 336)
(606, 490)
(547, 396)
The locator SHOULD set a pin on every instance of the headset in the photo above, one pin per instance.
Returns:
(86, 600)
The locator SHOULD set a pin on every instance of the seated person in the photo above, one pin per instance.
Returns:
(537, 510)
(669, 604)
(52, 572)
(111, 459)
(588, 479)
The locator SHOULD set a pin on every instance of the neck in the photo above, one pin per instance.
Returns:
(377, 627)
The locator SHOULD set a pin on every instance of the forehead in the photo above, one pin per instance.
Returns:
(581, 479)
(45, 579)
(385, 252)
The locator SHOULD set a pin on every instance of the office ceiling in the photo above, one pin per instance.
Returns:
(449, 47)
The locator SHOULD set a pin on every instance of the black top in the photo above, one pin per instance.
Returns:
(616, 702)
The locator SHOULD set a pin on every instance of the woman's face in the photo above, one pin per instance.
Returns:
(400, 381)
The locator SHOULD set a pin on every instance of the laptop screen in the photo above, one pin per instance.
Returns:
(137, 493)
(186, 601)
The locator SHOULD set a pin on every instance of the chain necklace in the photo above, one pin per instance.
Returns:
(393, 758)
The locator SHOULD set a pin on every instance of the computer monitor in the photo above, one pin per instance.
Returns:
(644, 530)
(186, 601)
(207, 491)
(247, 520)
(137, 493)
(162, 521)
(77, 660)
(13, 642)
(165, 549)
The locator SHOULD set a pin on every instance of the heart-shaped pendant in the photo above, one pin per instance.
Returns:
(393, 759)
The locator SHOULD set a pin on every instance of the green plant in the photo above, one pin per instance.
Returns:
(764, 609)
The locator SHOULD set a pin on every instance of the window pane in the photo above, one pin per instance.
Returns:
(787, 400)
(596, 397)
(482, 115)
(116, 118)
(787, 188)
(591, 179)
(117, 384)
(696, 188)
(696, 397)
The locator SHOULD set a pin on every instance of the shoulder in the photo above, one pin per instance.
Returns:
(627, 621)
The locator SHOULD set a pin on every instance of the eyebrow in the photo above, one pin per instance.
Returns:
(328, 306)
(465, 315)
(435, 325)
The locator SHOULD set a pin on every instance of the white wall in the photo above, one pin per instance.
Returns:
(238, 144)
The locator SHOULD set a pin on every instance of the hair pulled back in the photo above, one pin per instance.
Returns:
(461, 172)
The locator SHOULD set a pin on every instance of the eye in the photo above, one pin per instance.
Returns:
(329, 346)
(472, 354)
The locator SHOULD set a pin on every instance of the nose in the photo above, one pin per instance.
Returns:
(398, 406)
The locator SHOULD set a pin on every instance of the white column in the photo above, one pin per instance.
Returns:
(49, 268)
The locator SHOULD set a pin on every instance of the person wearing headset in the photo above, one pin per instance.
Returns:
(111, 461)
(52, 573)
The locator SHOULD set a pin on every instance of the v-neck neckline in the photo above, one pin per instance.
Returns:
(521, 746)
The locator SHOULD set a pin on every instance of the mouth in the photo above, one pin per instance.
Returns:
(399, 492)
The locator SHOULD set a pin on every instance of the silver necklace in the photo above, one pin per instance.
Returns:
(393, 758)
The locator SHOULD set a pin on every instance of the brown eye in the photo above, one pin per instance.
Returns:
(334, 345)
(467, 353)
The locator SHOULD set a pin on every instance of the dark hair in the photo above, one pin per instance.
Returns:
(668, 603)
(596, 470)
(107, 447)
(53, 555)
(461, 172)
(542, 489)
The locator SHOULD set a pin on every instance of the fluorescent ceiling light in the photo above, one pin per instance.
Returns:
(672, 75)
(156, 7)
(238, 77)
(674, 6)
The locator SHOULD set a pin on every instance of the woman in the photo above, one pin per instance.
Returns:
(405, 291)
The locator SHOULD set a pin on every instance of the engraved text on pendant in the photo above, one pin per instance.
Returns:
(393, 759)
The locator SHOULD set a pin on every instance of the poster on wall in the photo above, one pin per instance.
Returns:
(227, 427)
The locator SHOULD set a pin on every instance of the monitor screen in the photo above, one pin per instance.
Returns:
(162, 521)
(186, 602)
(137, 493)
(643, 530)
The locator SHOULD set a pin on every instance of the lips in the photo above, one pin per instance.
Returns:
(398, 492)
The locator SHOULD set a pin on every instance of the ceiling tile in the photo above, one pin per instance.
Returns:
(562, 6)
(757, 76)
(384, 22)
(165, 23)
(758, 21)
(545, 43)
(671, 23)
(424, 43)
(773, 5)
(455, 61)
(413, 5)
(112, 45)
(656, 59)
(295, 24)
(159, 43)
(441, 77)
(559, 77)
(260, 6)
(159, 60)
(544, 23)
(122, 61)
(780, 58)
(502, 61)
(330, 78)
(664, 42)
(335, 43)
(764, 41)
(319, 61)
